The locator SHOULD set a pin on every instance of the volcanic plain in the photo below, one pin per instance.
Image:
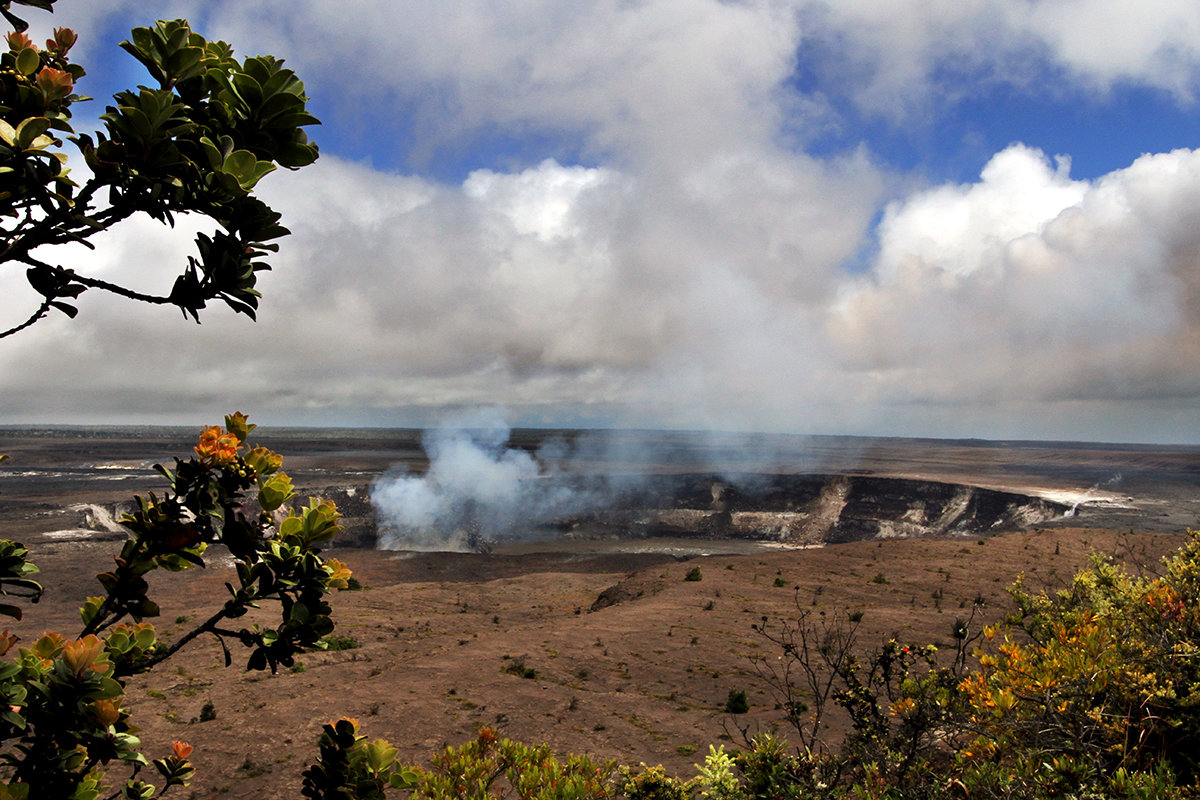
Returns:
(606, 650)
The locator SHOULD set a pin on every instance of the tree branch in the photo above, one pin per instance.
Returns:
(41, 312)
(96, 283)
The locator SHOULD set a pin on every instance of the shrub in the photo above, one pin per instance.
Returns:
(516, 666)
(1104, 675)
(336, 642)
(63, 719)
(736, 702)
(1088, 692)
(487, 768)
(208, 711)
(716, 778)
(769, 770)
(693, 574)
(653, 783)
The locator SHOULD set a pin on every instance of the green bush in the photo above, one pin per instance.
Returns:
(693, 574)
(63, 726)
(716, 779)
(488, 768)
(1088, 692)
(336, 642)
(736, 702)
(517, 666)
(653, 783)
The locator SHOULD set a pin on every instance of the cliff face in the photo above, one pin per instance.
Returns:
(814, 509)
(806, 509)
(788, 509)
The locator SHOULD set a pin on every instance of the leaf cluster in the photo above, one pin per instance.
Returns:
(350, 767)
(197, 141)
(62, 717)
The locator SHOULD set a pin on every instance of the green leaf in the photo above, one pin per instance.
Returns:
(28, 61)
(275, 492)
(406, 778)
(13, 718)
(380, 755)
(248, 89)
(30, 129)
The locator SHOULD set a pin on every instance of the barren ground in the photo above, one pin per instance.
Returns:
(643, 679)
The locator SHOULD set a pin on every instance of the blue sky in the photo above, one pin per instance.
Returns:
(910, 218)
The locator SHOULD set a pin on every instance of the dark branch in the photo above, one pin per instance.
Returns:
(96, 283)
(41, 312)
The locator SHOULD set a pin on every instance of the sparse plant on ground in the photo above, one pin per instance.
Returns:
(736, 702)
(517, 666)
(334, 642)
(693, 574)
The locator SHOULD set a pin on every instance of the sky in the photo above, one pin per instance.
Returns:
(942, 218)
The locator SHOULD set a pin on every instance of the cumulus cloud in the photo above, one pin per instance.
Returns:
(1030, 287)
(693, 266)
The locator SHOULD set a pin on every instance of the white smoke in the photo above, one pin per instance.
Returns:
(480, 488)
(477, 489)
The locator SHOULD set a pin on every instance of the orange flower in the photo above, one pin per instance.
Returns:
(216, 447)
(181, 750)
(64, 39)
(19, 41)
(84, 654)
(107, 711)
(55, 83)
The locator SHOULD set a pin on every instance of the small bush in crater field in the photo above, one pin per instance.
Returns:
(208, 711)
(736, 702)
(338, 642)
(517, 667)
(693, 574)
(779, 582)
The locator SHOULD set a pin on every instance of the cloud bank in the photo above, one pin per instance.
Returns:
(676, 257)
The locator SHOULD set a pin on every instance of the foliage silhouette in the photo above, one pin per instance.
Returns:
(196, 144)
(63, 722)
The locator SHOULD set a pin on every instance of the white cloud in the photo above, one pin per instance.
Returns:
(1030, 287)
(693, 273)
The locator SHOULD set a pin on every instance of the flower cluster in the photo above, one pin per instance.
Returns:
(217, 447)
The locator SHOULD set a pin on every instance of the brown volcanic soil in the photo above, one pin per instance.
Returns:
(641, 679)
